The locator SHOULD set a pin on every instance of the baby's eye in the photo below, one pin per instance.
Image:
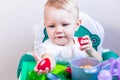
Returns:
(51, 26)
(65, 24)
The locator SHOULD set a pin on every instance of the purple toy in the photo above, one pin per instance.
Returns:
(112, 66)
(104, 75)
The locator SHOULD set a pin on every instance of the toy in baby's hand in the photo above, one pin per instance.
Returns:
(43, 64)
(79, 40)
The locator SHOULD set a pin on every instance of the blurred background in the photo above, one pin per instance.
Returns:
(17, 17)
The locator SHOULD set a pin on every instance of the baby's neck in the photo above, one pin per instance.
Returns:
(71, 43)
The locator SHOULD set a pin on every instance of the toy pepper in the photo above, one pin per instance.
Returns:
(46, 63)
(43, 64)
(79, 40)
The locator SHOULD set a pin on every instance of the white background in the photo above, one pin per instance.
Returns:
(17, 17)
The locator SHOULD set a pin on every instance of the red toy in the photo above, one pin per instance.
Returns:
(79, 40)
(67, 72)
(43, 64)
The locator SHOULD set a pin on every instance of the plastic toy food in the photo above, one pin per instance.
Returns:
(86, 66)
(43, 64)
(67, 72)
(79, 40)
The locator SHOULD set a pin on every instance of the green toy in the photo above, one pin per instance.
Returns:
(35, 76)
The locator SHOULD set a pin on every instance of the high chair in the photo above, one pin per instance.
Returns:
(89, 27)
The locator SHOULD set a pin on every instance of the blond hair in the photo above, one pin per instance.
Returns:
(68, 5)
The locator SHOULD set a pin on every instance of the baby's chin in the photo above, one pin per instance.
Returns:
(61, 42)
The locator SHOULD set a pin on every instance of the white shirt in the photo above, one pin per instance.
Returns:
(61, 53)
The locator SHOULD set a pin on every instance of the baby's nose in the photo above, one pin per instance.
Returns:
(59, 30)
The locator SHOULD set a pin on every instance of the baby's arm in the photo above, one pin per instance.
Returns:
(43, 66)
(86, 45)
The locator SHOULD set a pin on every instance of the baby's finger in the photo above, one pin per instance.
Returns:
(85, 47)
(40, 71)
(84, 42)
(35, 69)
(46, 70)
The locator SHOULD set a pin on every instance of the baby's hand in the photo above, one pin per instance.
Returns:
(85, 44)
(43, 66)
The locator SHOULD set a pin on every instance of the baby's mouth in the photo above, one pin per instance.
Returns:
(59, 37)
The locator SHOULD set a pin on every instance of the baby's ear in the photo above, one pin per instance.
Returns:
(78, 23)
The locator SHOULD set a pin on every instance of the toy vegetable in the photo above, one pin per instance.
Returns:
(79, 40)
(67, 72)
(43, 64)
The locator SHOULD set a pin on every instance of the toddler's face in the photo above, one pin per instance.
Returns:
(60, 25)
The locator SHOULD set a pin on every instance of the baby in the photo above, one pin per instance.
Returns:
(61, 20)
